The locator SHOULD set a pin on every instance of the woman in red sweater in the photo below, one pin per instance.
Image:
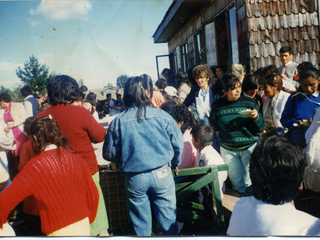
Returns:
(66, 194)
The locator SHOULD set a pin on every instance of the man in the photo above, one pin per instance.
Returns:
(110, 100)
(288, 70)
(30, 102)
(277, 168)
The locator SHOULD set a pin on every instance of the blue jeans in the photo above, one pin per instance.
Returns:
(156, 186)
(239, 163)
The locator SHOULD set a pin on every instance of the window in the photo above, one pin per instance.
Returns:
(211, 44)
(184, 52)
(199, 49)
(234, 35)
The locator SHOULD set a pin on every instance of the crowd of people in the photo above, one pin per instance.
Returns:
(257, 123)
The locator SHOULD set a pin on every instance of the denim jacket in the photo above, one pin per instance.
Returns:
(139, 146)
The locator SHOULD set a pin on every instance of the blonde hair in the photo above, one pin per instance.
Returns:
(237, 69)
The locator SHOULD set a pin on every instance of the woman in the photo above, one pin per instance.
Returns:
(274, 104)
(184, 86)
(81, 129)
(14, 115)
(146, 157)
(60, 181)
(301, 106)
(238, 133)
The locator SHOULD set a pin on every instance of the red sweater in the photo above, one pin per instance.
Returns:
(80, 128)
(64, 189)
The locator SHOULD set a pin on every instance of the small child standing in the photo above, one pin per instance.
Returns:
(202, 137)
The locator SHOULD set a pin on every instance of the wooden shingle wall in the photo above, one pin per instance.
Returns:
(271, 24)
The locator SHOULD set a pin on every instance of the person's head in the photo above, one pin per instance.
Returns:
(220, 70)
(250, 84)
(272, 85)
(63, 89)
(302, 66)
(119, 97)
(45, 131)
(166, 72)
(27, 125)
(84, 89)
(117, 103)
(135, 94)
(182, 77)
(171, 92)
(148, 81)
(309, 80)
(285, 54)
(106, 104)
(91, 98)
(238, 70)
(26, 91)
(183, 117)
(202, 136)
(271, 69)
(161, 84)
(202, 74)
(276, 170)
(109, 96)
(169, 106)
(228, 85)
(5, 100)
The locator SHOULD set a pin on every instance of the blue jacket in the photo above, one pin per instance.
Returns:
(139, 146)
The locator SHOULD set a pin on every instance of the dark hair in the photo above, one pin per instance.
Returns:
(272, 69)
(276, 169)
(46, 131)
(165, 70)
(182, 77)
(5, 97)
(83, 88)
(204, 134)
(91, 98)
(135, 95)
(285, 49)
(181, 113)
(26, 91)
(148, 81)
(118, 95)
(109, 95)
(309, 72)
(27, 125)
(273, 79)
(222, 67)
(63, 89)
(304, 65)
(226, 82)
(250, 82)
(161, 83)
(169, 106)
(202, 69)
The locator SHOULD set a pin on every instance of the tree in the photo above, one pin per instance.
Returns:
(35, 75)
(15, 95)
(110, 85)
(121, 81)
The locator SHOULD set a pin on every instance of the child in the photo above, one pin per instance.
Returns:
(202, 140)
(61, 182)
(277, 167)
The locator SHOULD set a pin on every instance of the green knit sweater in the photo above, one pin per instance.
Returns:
(236, 131)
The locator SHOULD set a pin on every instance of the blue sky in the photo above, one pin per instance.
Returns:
(96, 41)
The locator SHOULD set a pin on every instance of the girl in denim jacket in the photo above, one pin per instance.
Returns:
(146, 143)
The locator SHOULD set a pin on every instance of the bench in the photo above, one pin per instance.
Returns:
(189, 181)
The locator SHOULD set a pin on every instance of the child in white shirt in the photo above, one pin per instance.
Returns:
(202, 137)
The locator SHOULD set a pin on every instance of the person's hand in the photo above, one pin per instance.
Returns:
(284, 77)
(254, 114)
(176, 171)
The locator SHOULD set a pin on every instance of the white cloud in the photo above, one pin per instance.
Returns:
(33, 23)
(62, 10)
(4, 66)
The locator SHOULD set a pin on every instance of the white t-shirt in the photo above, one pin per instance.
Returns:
(209, 156)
